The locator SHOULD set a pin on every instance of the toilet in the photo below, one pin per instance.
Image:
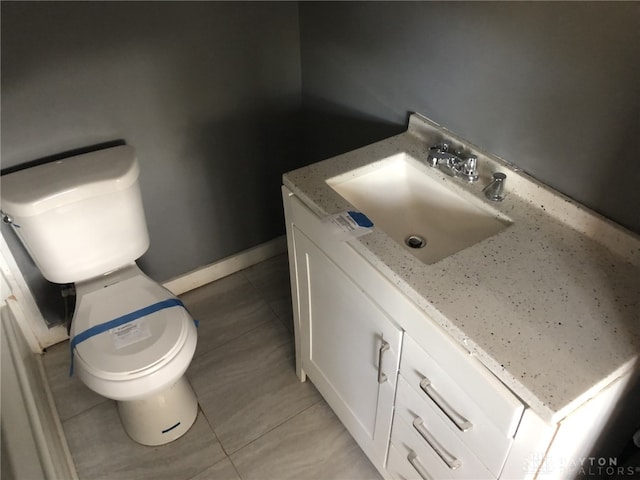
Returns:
(81, 220)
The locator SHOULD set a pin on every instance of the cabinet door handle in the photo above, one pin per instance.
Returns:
(383, 348)
(451, 461)
(415, 463)
(462, 423)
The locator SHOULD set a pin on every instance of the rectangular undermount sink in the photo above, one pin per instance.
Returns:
(412, 207)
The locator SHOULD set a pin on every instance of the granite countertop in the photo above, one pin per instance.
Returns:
(550, 305)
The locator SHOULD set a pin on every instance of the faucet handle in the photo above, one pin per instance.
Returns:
(437, 153)
(440, 147)
(470, 168)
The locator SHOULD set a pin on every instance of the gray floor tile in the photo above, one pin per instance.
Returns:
(223, 470)
(312, 446)
(272, 273)
(271, 279)
(102, 450)
(248, 386)
(70, 394)
(225, 310)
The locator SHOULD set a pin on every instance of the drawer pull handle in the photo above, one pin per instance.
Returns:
(462, 423)
(383, 348)
(451, 461)
(415, 463)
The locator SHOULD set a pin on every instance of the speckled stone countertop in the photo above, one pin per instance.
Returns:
(550, 305)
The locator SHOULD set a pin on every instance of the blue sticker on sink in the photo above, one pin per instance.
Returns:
(361, 219)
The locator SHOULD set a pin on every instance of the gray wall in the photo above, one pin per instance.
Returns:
(208, 93)
(551, 87)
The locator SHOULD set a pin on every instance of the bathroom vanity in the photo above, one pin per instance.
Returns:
(497, 350)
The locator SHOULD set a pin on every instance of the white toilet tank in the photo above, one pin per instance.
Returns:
(78, 217)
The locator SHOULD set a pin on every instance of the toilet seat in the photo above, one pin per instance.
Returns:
(139, 347)
(136, 348)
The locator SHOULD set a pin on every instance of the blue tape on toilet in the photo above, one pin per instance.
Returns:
(116, 322)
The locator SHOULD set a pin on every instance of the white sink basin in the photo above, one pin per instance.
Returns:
(404, 201)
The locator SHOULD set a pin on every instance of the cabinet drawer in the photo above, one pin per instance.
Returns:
(417, 459)
(460, 388)
(399, 467)
(484, 439)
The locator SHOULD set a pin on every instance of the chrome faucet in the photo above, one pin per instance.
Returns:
(454, 164)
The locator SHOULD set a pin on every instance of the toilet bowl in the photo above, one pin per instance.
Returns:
(82, 221)
(141, 362)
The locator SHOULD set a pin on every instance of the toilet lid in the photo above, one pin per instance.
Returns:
(135, 346)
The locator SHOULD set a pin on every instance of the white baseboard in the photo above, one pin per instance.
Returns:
(226, 266)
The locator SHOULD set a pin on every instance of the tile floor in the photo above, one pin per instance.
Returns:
(256, 419)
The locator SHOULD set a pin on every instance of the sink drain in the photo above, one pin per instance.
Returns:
(415, 241)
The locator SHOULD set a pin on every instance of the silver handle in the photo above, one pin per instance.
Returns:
(462, 423)
(415, 463)
(441, 147)
(470, 168)
(383, 348)
(451, 461)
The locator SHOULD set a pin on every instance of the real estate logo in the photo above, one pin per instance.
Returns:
(579, 467)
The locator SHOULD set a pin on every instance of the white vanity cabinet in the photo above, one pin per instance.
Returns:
(350, 348)
(418, 404)
(346, 344)
(444, 414)
(514, 358)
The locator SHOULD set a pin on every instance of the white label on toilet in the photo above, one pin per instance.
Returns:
(130, 333)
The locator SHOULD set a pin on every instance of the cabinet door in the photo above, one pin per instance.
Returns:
(349, 346)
